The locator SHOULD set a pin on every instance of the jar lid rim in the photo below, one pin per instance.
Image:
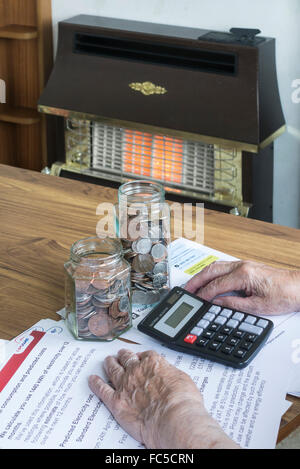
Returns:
(117, 250)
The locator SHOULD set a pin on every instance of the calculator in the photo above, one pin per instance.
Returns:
(187, 323)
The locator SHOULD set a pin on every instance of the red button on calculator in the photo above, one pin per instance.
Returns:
(190, 339)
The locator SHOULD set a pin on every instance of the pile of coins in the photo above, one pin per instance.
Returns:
(149, 266)
(102, 307)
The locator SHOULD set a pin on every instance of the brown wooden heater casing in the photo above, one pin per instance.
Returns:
(206, 86)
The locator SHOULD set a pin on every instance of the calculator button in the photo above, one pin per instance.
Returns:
(190, 339)
(221, 337)
(215, 346)
(251, 329)
(262, 323)
(240, 353)
(197, 331)
(250, 320)
(209, 334)
(247, 345)
(215, 309)
(203, 324)
(238, 316)
(233, 323)
(227, 313)
(233, 342)
(209, 317)
(202, 342)
(227, 349)
(239, 334)
(251, 338)
(220, 320)
(226, 330)
(215, 327)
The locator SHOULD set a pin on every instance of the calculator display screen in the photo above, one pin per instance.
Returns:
(179, 314)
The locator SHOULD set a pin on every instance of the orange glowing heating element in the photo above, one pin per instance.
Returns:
(157, 157)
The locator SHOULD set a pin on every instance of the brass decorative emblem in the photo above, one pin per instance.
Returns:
(147, 88)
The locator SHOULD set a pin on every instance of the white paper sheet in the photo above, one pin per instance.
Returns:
(248, 403)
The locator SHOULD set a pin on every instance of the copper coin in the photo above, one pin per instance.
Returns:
(114, 311)
(143, 263)
(100, 283)
(100, 325)
(82, 325)
(82, 286)
(102, 310)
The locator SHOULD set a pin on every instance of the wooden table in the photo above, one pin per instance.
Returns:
(41, 216)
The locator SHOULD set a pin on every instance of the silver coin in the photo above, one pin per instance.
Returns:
(124, 304)
(134, 247)
(140, 287)
(160, 280)
(82, 296)
(84, 304)
(100, 295)
(161, 268)
(141, 298)
(155, 232)
(97, 303)
(143, 246)
(116, 286)
(87, 316)
(85, 335)
(85, 310)
(159, 251)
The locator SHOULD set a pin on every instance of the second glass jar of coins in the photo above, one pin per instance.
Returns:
(98, 294)
(143, 225)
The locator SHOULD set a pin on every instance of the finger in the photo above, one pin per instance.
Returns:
(211, 272)
(102, 390)
(147, 354)
(127, 358)
(114, 371)
(247, 305)
(221, 285)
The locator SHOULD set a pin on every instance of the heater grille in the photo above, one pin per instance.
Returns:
(171, 161)
(120, 153)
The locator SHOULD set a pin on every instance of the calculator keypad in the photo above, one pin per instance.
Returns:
(227, 332)
(215, 333)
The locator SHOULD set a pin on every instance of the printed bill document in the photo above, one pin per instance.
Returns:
(45, 401)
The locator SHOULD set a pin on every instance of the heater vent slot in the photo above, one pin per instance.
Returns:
(166, 54)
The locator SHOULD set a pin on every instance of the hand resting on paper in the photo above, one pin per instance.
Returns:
(157, 404)
(268, 291)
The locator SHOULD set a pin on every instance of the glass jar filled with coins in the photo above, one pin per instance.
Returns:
(98, 290)
(143, 225)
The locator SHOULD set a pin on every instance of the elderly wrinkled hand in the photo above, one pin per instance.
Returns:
(267, 290)
(157, 404)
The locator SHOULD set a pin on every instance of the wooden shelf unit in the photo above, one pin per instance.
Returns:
(17, 31)
(19, 115)
(26, 59)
